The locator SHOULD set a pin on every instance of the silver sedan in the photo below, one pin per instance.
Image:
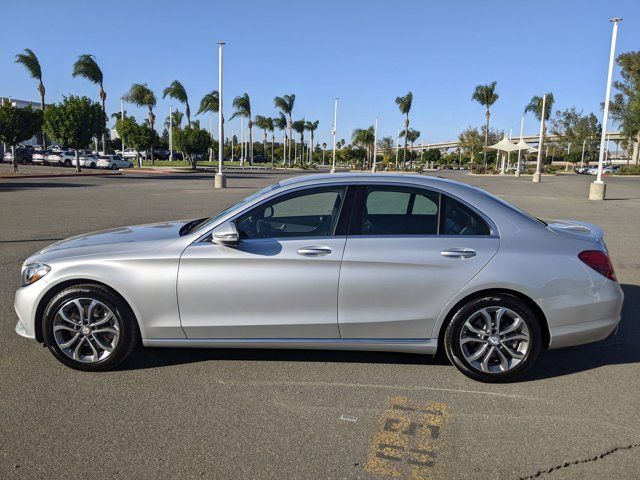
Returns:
(351, 261)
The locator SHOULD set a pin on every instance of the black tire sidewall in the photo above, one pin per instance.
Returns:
(453, 349)
(128, 337)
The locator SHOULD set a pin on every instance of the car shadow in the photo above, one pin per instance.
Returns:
(623, 348)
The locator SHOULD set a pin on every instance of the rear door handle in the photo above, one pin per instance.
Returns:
(458, 253)
(314, 251)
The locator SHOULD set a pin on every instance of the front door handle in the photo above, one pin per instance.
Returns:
(314, 251)
(458, 253)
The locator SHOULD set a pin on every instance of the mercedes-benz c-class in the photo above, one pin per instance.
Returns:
(401, 263)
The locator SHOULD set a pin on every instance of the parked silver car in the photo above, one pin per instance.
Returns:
(349, 261)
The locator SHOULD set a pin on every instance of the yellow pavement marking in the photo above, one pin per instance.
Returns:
(408, 440)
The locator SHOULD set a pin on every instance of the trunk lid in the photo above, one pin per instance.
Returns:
(577, 229)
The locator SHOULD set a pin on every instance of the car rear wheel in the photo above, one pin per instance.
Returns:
(93, 165)
(495, 338)
(67, 163)
(88, 328)
(114, 166)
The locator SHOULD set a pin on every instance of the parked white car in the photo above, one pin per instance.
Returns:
(88, 160)
(40, 157)
(59, 158)
(128, 153)
(113, 162)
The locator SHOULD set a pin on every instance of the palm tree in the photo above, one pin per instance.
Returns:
(210, 103)
(486, 96)
(87, 67)
(285, 104)
(271, 128)
(364, 138)
(263, 124)
(535, 106)
(299, 126)
(311, 126)
(242, 104)
(118, 115)
(176, 119)
(177, 92)
(280, 123)
(411, 136)
(141, 96)
(29, 60)
(404, 104)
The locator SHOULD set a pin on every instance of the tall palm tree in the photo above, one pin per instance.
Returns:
(404, 104)
(87, 67)
(311, 126)
(285, 104)
(210, 103)
(30, 61)
(486, 96)
(299, 127)
(280, 122)
(118, 115)
(535, 106)
(271, 128)
(141, 96)
(242, 104)
(177, 92)
(263, 124)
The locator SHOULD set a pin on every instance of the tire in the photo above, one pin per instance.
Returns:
(131, 165)
(93, 165)
(470, 319)
(67, 163)
(120, 332)
(114, 166)
(24, 161)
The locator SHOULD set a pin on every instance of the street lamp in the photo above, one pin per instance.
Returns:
(170, 133)
(333, 132)
(538, 175)
(221, 180)
(520, 145)
(598, 188)
(375, 146)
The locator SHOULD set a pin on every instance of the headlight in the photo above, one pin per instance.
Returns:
(34, 272)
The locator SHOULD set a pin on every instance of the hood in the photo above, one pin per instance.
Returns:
(137, 237)
(576, 229)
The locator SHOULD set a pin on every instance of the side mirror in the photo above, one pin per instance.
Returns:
(225, 234)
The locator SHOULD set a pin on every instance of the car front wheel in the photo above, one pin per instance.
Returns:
(496, 338)
(88, 328)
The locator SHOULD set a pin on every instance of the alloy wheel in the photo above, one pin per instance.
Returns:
(86, 330)
(494, 339)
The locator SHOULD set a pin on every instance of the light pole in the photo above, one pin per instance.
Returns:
(538, 176)
(584, 144)
(566, 163)
(233, 134)
(333, 132)
(221, 180)
(170, 133)
(375, 145)
(242, 142)
(212, 138)
(598, 188)
(397, 147)
(122, 118)
(520, 145)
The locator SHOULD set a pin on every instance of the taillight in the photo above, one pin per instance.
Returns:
(599, 261)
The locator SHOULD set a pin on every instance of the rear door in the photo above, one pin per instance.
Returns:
(409, 251)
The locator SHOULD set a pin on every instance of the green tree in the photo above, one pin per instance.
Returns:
(30, 61)
(299, 127)
(486, 96)
(176, 120)
(404, 104)
(242, 105)
(264, 123)
(625, 107)
(364, 138)
(285, 104)
(87, 67)
(432, 155)
(535, 107)
(411, 136)
(139, 136)
(177, 91)
(470, 141)
(74, 122)
(575, 128)
(18, 125)
(312, 127)
(280, 122)
(142, 96)
(194, 142)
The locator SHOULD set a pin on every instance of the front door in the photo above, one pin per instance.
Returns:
(410, 250)
(281, 281)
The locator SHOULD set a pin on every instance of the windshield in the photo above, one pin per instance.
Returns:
(210, 221)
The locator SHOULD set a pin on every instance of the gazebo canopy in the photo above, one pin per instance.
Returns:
(522, 145)
(504, 145)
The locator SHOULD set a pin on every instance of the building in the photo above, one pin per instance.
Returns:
(23, 104)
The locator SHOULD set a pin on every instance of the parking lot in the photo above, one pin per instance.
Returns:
(307, 414)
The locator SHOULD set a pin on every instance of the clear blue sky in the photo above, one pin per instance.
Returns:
(365, 52)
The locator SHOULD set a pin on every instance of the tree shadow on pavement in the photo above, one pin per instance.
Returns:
(18, 185)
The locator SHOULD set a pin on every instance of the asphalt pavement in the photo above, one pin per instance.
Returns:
(224, 414)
